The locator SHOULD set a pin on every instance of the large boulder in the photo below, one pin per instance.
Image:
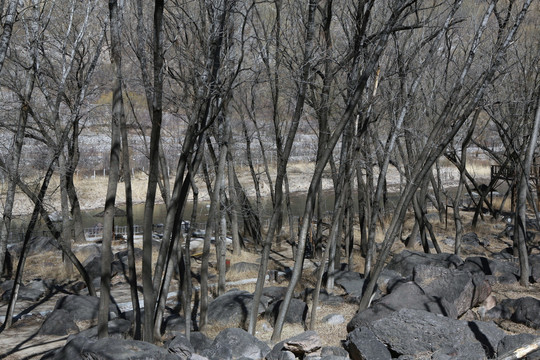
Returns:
(432, 332)
(234, 343)
(117, 329)
(299, 346)
(200, 342)
(181, 347)
(524, 310)
(33, 291)
(405, 261)
(406, 295)
(511, 343)
(351, 281)
(496, 270)
(92, 265)
(81, 348)
(296, 313)
(460, 288)
(59, 322)
(232, 308)
(363, 344)
(83, 307)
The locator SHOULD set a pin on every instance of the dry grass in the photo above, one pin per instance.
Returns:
(47, 265)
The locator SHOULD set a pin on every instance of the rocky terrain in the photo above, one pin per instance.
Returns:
(427, 306)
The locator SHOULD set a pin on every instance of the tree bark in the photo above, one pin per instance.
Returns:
(115, 16)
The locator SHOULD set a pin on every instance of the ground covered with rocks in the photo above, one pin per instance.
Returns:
(427, 306)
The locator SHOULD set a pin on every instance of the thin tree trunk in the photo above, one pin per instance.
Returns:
(115, 15)
(132, 277)
(520, 231)
(153, 176)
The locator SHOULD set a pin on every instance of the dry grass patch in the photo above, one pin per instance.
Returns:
(47, 265)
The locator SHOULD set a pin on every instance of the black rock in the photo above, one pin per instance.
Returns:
(181, 347)
(80, 348)
(460, 288)
(502, 271)
(83, 307)
(513, 342)
(296, 313)
(232, 308)
(363, 344)
(405, 262)
(234, 343)
(274, 292)
(433, 332)
(407, 295)
(524, 310)
(118, 329)
(199, 341)
(59, 322)
(92, 265)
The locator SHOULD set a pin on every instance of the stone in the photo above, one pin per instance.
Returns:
(232, 308)
(36, 245)
(83, 307)
(405, 261)
(181, 347)
(432, 332)
(296, 313)
(502, 271)
(524, 310)
(363, 344)
(334, 319)
(333, 351)
(235, 343)
(118, 329)
(388, 279)
(174, 324)
(92, 265)
(25, 293)
(406, 295)
(350, 281)
(324, 297)
(460, 288)
(513, 342)
(81, 348)
(274, 292)
(59, 322)
(199, 341)
(534, 264)
(304, 343)
(466, 352)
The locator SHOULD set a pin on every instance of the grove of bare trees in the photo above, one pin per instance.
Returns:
(204, 91)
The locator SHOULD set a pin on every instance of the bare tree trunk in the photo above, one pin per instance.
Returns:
(132, 277)
(520, 231)
(10, 18)
(115, 16)
(13, 169)
(153, 176)
(234, 207)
